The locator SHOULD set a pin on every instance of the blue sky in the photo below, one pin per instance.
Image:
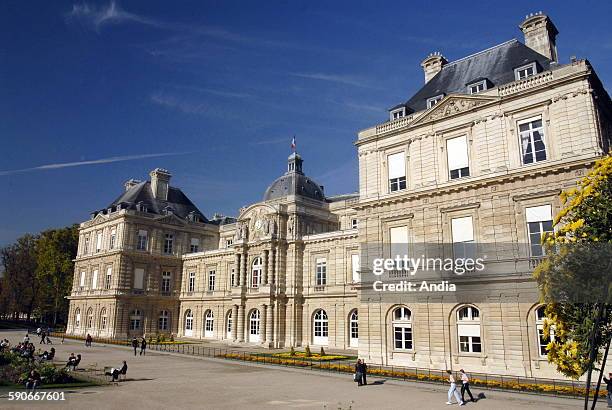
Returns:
(95, 93)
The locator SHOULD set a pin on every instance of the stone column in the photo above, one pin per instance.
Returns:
(240, 323)
(270, 266)
(262, 328)
(264, 274)
(244, 270)
(236, 272)
(269, 324)
(234, 322)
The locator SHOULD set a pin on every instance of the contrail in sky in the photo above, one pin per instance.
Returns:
(90, 162)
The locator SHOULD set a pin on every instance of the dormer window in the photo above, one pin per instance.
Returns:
(477, 87)
(434, 100)
(141, 207)
(525, 71)
(398, 113)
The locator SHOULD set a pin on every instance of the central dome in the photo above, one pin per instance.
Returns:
(294, 182)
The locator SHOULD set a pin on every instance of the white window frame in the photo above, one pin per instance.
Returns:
(320, 328)
(468, 325)
(90, 319)
(195, 245)
(256, 272)
(103, 319)
(228, 325)
(212, 276)
(432, 101)
(530, 135)
(518, 70)
(188, 323)
(534, 215)
(163, 320)
(94, 279)
(191, 282)
(477, 85)
(542, 343)
(168, 244)
(320, 272)
(397, 113)
(113, 238)
(254, 326)
(355, 267)
(354, 328)
(82, 280)
(99, 237)
(401, 328)
(166, 282)
(209, 324)
(135, 319)
(396, 177)
(452, 157)
(354, 223)
(77, 318)
(86, 245)
(109, 277)
(142, 240)
(463, 239)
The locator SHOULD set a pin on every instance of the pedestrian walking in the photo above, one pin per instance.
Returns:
(88, 340)
(38, 330)
(453, 390)
(364, 371)
(143, 347)
(609, 387)
(42, 335)
(465, 386)
(359, 373)
(134, 345)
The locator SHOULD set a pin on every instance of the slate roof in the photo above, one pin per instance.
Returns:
(496, 64)
(294, 182)
(142, 192)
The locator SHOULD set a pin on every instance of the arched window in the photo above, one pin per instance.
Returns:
(354, 329)
(256, 272)
(77, 318)
(209, 322)
(402, 328)
(90, 318)
(188, 323)
(103, 319)
(543, 340)
(162, 321)
(135, 319)
(228, 325)
(320, 328)
(468, 330)
(254, 320)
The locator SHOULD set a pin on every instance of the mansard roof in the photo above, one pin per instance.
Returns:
(495, 64)
(177, 201)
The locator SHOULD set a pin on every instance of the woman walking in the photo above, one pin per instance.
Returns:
(453, 390)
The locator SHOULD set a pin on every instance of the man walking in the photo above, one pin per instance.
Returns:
(134, 344)
(453, 390)
(143, 347)
(465, 386)
(42, 335)
(364, 371)
(609, 388)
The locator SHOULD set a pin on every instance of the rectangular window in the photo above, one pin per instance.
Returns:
(402, 337)
(229, 242)
(191, 283)
(321, 272)
(139, 278)
(397, 171)
(434, 100)
(98, 241)
(82, 280)
(533, 146)
(544, 339)
(165, 285)
(94, 279)
(457, 156)
(354, 223)
(195, 245)
(539, 221)
(462, 230)
(109, 277)
(211, 280)
(397, 114)
(233, 277)
(399, 244)
(168, 243)
(355, 268)
(469, 338)
(477, 87)
(86, 245)
(525, 71)
(143, 239)
(113, 238)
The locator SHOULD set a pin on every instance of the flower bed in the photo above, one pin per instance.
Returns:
(284, 359)
(313, 356)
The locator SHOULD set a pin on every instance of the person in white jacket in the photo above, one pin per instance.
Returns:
(453, 390)
(465, 386)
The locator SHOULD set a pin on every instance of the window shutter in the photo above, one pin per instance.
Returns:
(397, 165)
(538, 213)
(138, 278)
(456, 149)
(462, 229)
(468, 330)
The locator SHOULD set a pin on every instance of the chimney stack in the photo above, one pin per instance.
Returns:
(160, 181)
(432, 65)
(130, 183)
(540, 34)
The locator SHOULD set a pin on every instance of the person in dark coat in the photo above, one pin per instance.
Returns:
(359, 373)
(134, 345)
(143, 347)
(364, 371)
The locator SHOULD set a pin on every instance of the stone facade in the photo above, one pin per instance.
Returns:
(291, 270)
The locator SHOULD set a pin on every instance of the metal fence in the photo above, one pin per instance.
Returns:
(533, 385)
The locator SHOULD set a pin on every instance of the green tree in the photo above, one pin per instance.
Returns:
(56, 251)
(20, 287)
(576, 279)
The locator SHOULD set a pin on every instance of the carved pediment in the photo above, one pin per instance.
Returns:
(256, 221)
(100, 218)
(451, 105)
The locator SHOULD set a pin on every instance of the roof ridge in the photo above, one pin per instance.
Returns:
(514, 40)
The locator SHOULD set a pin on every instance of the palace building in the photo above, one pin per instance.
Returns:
(478, 155)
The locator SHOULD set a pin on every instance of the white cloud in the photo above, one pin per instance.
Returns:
(335, 78)
(96, 17)
(90, 162)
